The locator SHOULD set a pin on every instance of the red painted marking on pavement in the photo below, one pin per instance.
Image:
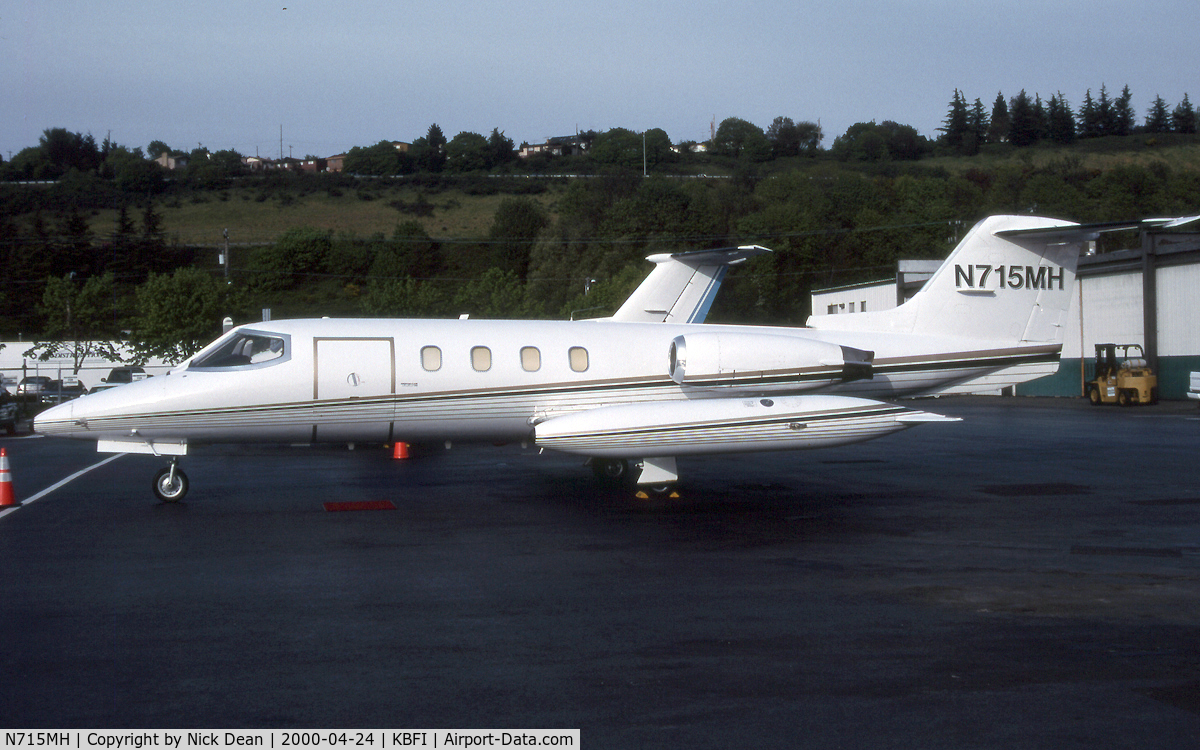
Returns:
(360, 505)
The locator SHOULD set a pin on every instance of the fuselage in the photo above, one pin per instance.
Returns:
(351, 380)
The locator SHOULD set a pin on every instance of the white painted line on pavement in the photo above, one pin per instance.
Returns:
(62, 482)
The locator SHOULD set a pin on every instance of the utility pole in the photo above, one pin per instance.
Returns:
(225, 257)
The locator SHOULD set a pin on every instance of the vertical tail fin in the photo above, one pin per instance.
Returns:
(1009, 280)
(682, 286)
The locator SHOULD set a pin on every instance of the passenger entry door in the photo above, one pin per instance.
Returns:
(353, 382)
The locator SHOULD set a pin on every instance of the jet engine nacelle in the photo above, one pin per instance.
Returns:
(763, 360)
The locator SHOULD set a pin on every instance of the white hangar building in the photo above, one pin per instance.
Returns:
(1148, 296)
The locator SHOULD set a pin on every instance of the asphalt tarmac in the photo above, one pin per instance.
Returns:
(1029, 577)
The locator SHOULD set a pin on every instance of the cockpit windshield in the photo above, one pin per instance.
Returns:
(246, 348)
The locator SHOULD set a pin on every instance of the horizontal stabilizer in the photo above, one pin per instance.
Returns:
(1087, 232)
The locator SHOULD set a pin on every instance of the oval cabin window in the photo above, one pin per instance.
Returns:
(531, 359)
(481, 358)
(579, 358)
(431, 358)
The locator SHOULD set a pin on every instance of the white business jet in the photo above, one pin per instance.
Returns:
(632, 392)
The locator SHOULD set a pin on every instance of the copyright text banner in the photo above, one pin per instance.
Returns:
(291, 739)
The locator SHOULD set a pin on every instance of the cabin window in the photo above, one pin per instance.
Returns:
(531, 359)
(481, 358)
(431, 358)
(579, 358)
(244, 349)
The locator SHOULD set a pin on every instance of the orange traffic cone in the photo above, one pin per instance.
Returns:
(399, 451)
(7, 497)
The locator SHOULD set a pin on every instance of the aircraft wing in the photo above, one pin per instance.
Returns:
(682, 286)
(725, 425)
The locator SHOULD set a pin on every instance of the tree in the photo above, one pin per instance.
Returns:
(66, 151)
(379, 160)
(496, 294)
(1060, 120)
(955, 126)
(1158, 118)
(517, 223)
(793, 139)
(411, 252)
(741, 139)
(999, 125)
(431, 151)
(177, 315)
(618, 147)
(468, 152)
(867, 141)
(1090, 125)
(1183, 119)
(77, 320)
(1123, 115)
(1025, 125)
(297, 252)
(157, 149)
(862, 141)
(501, 151)
(656, 148)
(978, 123)
(1105, 115)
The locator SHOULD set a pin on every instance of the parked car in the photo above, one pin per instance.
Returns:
(121, 375)
(8, 411)
(33, 385)
(1194, 386)
(56, 392)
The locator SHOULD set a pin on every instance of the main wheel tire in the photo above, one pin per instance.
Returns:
(610, 470)
(1094, 396)
(1123, 398)
(168, 491)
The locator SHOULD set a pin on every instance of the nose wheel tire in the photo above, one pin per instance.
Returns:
(170, 484)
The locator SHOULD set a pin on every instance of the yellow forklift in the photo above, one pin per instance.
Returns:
(1127, 381)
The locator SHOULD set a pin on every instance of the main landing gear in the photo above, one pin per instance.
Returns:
(648, 479)
(170, 483)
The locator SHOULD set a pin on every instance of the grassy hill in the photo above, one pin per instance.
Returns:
(254, 216)
(258, 214)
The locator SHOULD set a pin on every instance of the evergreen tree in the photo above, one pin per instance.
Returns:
(500, 149)
(1123, 113)
(956, 126)
(978, 123)
(1158, 118)
(1089, 118)
(1104, 112)
(1183, 119)
(1025, 125)
(432, 158)
(1061, 125)
(1041, 117)
(998, 128)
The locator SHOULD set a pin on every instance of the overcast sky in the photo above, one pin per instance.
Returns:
(343, 73)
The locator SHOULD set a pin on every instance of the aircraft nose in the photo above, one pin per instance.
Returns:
(58, 420)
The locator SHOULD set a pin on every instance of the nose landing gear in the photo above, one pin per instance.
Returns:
(170, 483)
